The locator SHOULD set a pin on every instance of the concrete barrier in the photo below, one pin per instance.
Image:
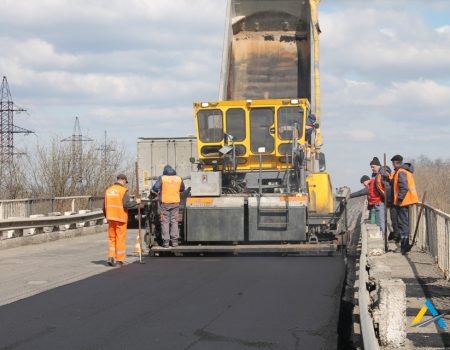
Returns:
(51, 236)
(386, 303)
(29, 206)
(364, 301)
(35, 225)
(32, 231)
(391, 312)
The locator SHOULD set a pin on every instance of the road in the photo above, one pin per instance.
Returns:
(184, 303)
(32, 269)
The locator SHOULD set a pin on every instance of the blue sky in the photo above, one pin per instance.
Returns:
(134, 68)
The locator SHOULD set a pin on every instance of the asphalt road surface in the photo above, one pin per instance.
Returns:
(186, 303)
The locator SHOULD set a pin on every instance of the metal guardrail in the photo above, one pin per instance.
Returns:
(370, 341)
(15, 227)
(20, 208)
(433, 235)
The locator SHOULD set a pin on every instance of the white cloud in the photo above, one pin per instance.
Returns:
(135, 67)
(408, 47)
(388, 32)
(385, 85)
(443, 30)
(36, 53)
(361, 135)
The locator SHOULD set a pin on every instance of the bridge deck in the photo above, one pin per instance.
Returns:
(174, 303)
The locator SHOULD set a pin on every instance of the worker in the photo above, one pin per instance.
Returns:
(379, 208)
(169, 186)
(405, 194)
(365, 182)
(311, 125)
(383, 178)
(116, 204)
(374, 199)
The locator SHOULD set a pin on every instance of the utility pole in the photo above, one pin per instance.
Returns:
(106, 149)
(8, 130)
(77, 139)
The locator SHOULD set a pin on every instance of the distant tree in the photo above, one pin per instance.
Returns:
(53, 169)
(433, 176)
(14, 183)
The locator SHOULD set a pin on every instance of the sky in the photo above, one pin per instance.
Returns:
(133, 68)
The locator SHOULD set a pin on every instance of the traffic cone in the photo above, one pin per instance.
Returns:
(137, 245)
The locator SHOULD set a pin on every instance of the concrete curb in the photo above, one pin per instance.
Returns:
(51, 236)
(370, 340)
(386, 297)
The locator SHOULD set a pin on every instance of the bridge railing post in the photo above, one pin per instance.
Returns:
(29, 207)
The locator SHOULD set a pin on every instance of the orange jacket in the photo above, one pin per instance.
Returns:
(411, 196)
(170, 189)
(114, 210)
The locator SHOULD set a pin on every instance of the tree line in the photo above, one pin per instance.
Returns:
(433, 176)
(51, 170)
(54, 170)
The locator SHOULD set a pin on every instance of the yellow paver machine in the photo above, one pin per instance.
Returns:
(261, 184)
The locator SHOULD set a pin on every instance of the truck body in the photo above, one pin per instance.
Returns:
(154, 153)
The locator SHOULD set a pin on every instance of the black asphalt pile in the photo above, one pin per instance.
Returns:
(186, 303)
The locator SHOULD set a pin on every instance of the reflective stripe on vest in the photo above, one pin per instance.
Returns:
(114, 204)
(411, 196)
(373, 197)
(170, 189)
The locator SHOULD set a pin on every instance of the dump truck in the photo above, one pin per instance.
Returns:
(261, 183)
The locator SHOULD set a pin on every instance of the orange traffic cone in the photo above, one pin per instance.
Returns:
(137, 245)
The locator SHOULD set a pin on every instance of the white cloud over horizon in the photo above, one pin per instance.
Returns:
(134, 68)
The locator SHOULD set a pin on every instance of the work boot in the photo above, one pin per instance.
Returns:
(111, 262)
(120, 263)
(404, 245)
(174, 244)
(165, 245)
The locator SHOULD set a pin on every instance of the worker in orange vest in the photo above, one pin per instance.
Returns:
(116, 205)
(169, 186)
(374, 199)
(405, 194)
(383, 176)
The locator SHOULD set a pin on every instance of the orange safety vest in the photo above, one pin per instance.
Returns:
(380, 184)
(170, 190)
(411, 196)
(114, 204)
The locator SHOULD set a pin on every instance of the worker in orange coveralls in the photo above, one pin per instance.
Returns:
(116, 205)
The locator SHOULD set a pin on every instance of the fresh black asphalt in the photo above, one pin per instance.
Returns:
(186, 303)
